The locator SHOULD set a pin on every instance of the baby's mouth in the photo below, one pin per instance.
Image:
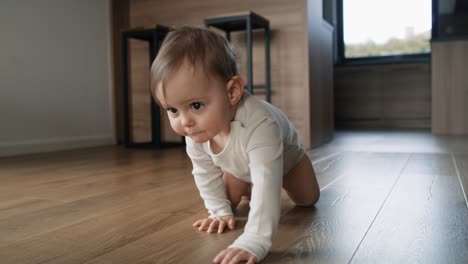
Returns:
(193, 133)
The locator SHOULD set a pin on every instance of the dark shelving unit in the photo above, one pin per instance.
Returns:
(154, 35)
(247, 21)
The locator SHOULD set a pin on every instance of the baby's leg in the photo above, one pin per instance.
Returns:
(301, 184)
(235, 188)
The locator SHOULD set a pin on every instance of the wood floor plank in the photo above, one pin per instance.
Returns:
(424, 220)
(330, 168)
(23, 226)
(29, 224)
(179, 243)
(66, 183)
(324, 152)
(461, 162)
(10, 208)
(29, 164)
(189, 246)
(330, 232)
(68, 188)
(327, 234)
(102, 183)
(91, 238)
(59, 172)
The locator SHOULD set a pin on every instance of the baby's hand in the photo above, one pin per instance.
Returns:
(234, 256)
(218, 223)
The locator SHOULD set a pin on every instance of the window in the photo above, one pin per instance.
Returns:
(384, 30)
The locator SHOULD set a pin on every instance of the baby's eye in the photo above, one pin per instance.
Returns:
(172, 110)
(196, 106)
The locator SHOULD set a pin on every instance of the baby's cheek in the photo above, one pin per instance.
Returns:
(175, 125)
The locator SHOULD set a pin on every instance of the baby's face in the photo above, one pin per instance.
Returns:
(197, 106)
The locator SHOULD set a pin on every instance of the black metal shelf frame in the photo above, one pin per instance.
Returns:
(247, 22)
(154, 36)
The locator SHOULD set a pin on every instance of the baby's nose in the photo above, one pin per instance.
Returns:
(187, 121)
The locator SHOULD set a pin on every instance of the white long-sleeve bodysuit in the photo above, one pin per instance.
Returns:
(262, 147)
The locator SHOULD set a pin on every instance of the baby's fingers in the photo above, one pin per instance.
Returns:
(198, 223)
(221, 227)
(205, 224)
(213, 225)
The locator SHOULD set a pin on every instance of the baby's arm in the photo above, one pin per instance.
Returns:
(265, 153)
(208, 179)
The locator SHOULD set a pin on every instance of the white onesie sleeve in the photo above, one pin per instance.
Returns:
(208, 178)
(265, 151)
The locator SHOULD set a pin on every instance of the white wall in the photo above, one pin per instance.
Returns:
(55, 75)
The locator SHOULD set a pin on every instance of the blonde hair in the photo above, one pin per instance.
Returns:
(201, 47)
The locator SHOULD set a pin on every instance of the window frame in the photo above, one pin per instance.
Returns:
(402, 58)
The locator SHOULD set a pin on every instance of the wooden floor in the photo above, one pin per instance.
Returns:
(387, 197)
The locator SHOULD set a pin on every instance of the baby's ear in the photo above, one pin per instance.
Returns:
(235, 89)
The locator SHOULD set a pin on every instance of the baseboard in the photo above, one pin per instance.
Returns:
(52, 144)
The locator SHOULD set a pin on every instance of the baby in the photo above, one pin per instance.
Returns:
(238, 145)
